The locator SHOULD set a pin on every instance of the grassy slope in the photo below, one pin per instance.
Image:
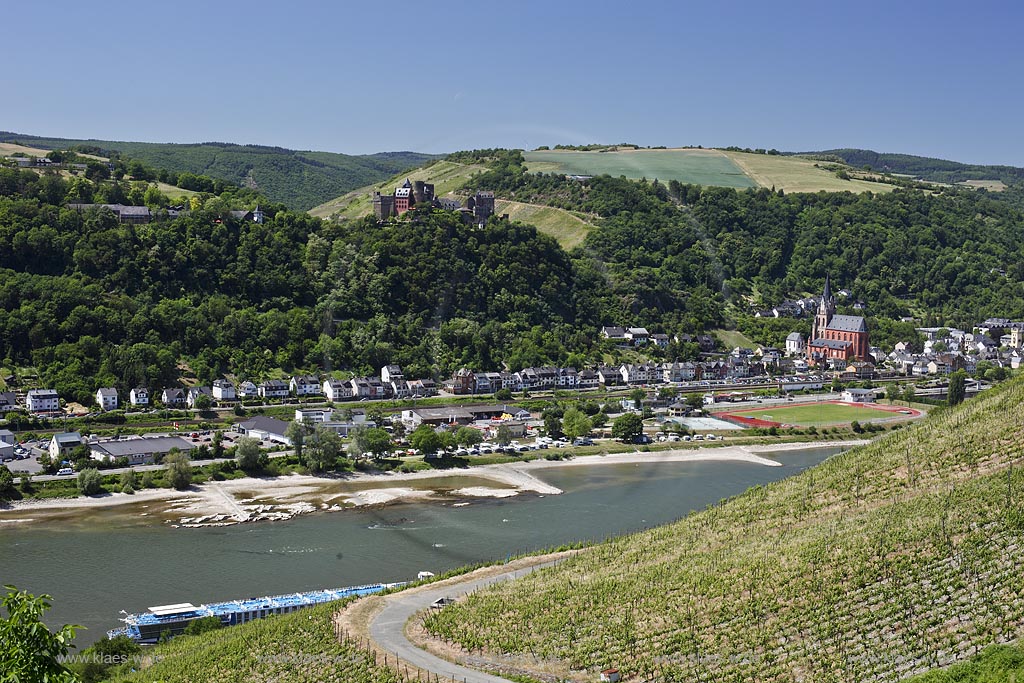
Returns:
(300, 179)
(793, 174)
(888, 560)
(733, 338)
(568, 228)
(447, 176)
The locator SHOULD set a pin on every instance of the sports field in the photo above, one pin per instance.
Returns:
(695, 166)
(823, 414)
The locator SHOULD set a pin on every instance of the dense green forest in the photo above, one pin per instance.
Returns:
(298, 179)
(690, 256)
(91, 302)
(926, 168)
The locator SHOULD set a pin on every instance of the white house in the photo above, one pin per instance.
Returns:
(42, 401)
(638, 335)
(273, 388)
(138, 451)
(247, 390)
(859, 395)
(336, 390)
(390, 373)
(223, 390)
(172, 397)
(795, 344)
(313, 415)
(305, 385)
(195, 392)
(139, 396)
(61, 444)
(106, 398)
(265, 429)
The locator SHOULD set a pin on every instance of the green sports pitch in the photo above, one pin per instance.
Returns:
(694, 166)
(823, 414)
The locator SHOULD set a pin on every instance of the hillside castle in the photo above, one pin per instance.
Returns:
(842, 337)
(478, 208)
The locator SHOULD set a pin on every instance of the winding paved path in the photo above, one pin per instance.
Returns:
(387, 627)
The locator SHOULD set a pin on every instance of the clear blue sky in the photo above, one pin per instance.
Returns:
(936, 78)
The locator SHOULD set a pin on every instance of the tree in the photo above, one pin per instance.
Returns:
(179, 469)
(503, 435)
(7, 490)
(90, 482)
(374, 441)
(909, 394)
(218, 445)
(249, 455)
(637, 396)
(599, 420)
(695, 401)
(322, 449)
(957, 388)
(467, 436)
(296, 433)
(627, 427)
(553, 423)
(30, 651)
(575, 424)
(503, 395)
(203, 402)
(425, 440)
(892, 392)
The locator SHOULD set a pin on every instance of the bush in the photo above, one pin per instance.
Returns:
(90, 482)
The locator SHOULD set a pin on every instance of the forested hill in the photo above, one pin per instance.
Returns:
(925, 168)
(298, 179)
(689, 256)
(91, 302)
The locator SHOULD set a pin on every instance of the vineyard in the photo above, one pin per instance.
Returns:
(890, 560)
(295, 648)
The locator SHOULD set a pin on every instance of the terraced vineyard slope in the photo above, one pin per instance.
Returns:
(291, 648)
(889, 560)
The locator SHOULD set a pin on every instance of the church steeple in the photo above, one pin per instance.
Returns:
(826, 309)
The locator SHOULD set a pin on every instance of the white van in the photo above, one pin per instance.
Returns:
(64, 470)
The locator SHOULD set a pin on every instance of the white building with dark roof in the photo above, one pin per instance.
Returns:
(42, 401)
(106, 398)
(138, 451)
(139, 396)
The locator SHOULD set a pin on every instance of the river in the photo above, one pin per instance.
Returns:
(111, 563)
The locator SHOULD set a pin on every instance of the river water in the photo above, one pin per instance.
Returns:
(110, 563)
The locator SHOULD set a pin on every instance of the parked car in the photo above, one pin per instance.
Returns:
(64, 471)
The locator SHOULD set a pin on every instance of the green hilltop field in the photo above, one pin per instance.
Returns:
(709, 167)
(889, 560)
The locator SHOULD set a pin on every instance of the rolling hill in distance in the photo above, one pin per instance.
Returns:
(299, 179)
